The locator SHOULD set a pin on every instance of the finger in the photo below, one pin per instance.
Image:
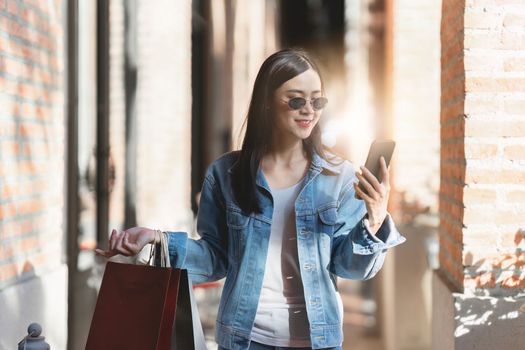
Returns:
(368, 187)
(113, 239)
(117, 242)
(385, 175)
(105, 253)
(131, 247)
(362, 194)
(371, 179)
(120, 244)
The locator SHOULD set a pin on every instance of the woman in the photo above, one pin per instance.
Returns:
(280, 220)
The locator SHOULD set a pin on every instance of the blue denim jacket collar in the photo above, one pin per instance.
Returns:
(317, 165)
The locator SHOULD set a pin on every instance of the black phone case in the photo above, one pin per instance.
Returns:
(377, 149)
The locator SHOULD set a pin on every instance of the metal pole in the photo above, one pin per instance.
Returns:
(130, 79)
(102, 148)
(72, 201)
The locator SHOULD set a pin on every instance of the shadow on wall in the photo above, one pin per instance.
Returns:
(496, 320)
(499, 275)
(493, 304)
(37, 296)
(22, 306)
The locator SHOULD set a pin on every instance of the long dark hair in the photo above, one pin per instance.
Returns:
(275, 70)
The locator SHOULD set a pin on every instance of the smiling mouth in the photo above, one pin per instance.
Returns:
(304, 123)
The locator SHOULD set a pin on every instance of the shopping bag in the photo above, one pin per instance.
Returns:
(145, 307)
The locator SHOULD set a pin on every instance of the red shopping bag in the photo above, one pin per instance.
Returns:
(145, 307)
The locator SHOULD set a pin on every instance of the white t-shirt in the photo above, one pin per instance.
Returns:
(281, 318)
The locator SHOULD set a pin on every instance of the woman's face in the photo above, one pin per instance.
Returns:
(300, 122)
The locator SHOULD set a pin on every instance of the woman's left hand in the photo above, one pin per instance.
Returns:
(376, 195)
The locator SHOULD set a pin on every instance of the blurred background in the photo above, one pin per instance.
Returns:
(111, 110)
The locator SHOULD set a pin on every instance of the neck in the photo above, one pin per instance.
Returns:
(286, 151)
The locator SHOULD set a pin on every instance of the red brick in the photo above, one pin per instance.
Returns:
(454, 171)
(493, 2)
(485, 128)
(13, 8)
(41, 6)
(482, 62)
(509, 217)
(452, 228)
(480, 151)
(482, 20)
(7, 210)
(453, 129)
(514, 107)
(478, 195)
(514, 64)
(7, 271)
(512, 40)
(477, 40)
(514, 20)
(7, 128)
(515, 152)
(514, 281)
(485, 84)
(453, 109)
(486, 257)
(481, 280)
(515, 196)
(9, 148)
(480, 239)
(479, 215)
(486, 280)
(454, 249)
(483, 176)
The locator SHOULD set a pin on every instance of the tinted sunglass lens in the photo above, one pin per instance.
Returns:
(319, 103)
(296, 102)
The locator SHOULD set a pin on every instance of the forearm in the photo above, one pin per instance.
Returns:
(204, 259)
(359, 254)
(354, 255)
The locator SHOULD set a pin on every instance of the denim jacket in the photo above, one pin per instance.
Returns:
(332, 240)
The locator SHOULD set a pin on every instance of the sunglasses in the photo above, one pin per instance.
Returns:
(317, 103)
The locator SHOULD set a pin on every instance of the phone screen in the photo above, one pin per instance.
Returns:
(379, 148)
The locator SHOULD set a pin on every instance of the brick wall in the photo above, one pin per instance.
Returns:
(31, 138)
(452, 140)
(494, 214)
(483, 170)
(33, 276)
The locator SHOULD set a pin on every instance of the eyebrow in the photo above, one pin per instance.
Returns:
(301, 91)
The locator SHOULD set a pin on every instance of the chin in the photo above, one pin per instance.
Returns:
(303, 134)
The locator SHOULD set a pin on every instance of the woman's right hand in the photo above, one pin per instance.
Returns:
(128, 242)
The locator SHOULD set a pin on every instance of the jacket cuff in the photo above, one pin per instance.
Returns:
(177, 247)
(366, 243)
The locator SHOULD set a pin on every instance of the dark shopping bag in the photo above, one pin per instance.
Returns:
(144, 307)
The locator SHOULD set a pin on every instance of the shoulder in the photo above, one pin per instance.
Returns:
(336, 165)
(222, 166)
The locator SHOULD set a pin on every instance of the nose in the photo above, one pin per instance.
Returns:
(307, 108)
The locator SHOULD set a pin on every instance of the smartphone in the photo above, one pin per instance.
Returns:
(378, 148)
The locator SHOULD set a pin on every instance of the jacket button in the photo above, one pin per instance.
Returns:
(308, 266)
